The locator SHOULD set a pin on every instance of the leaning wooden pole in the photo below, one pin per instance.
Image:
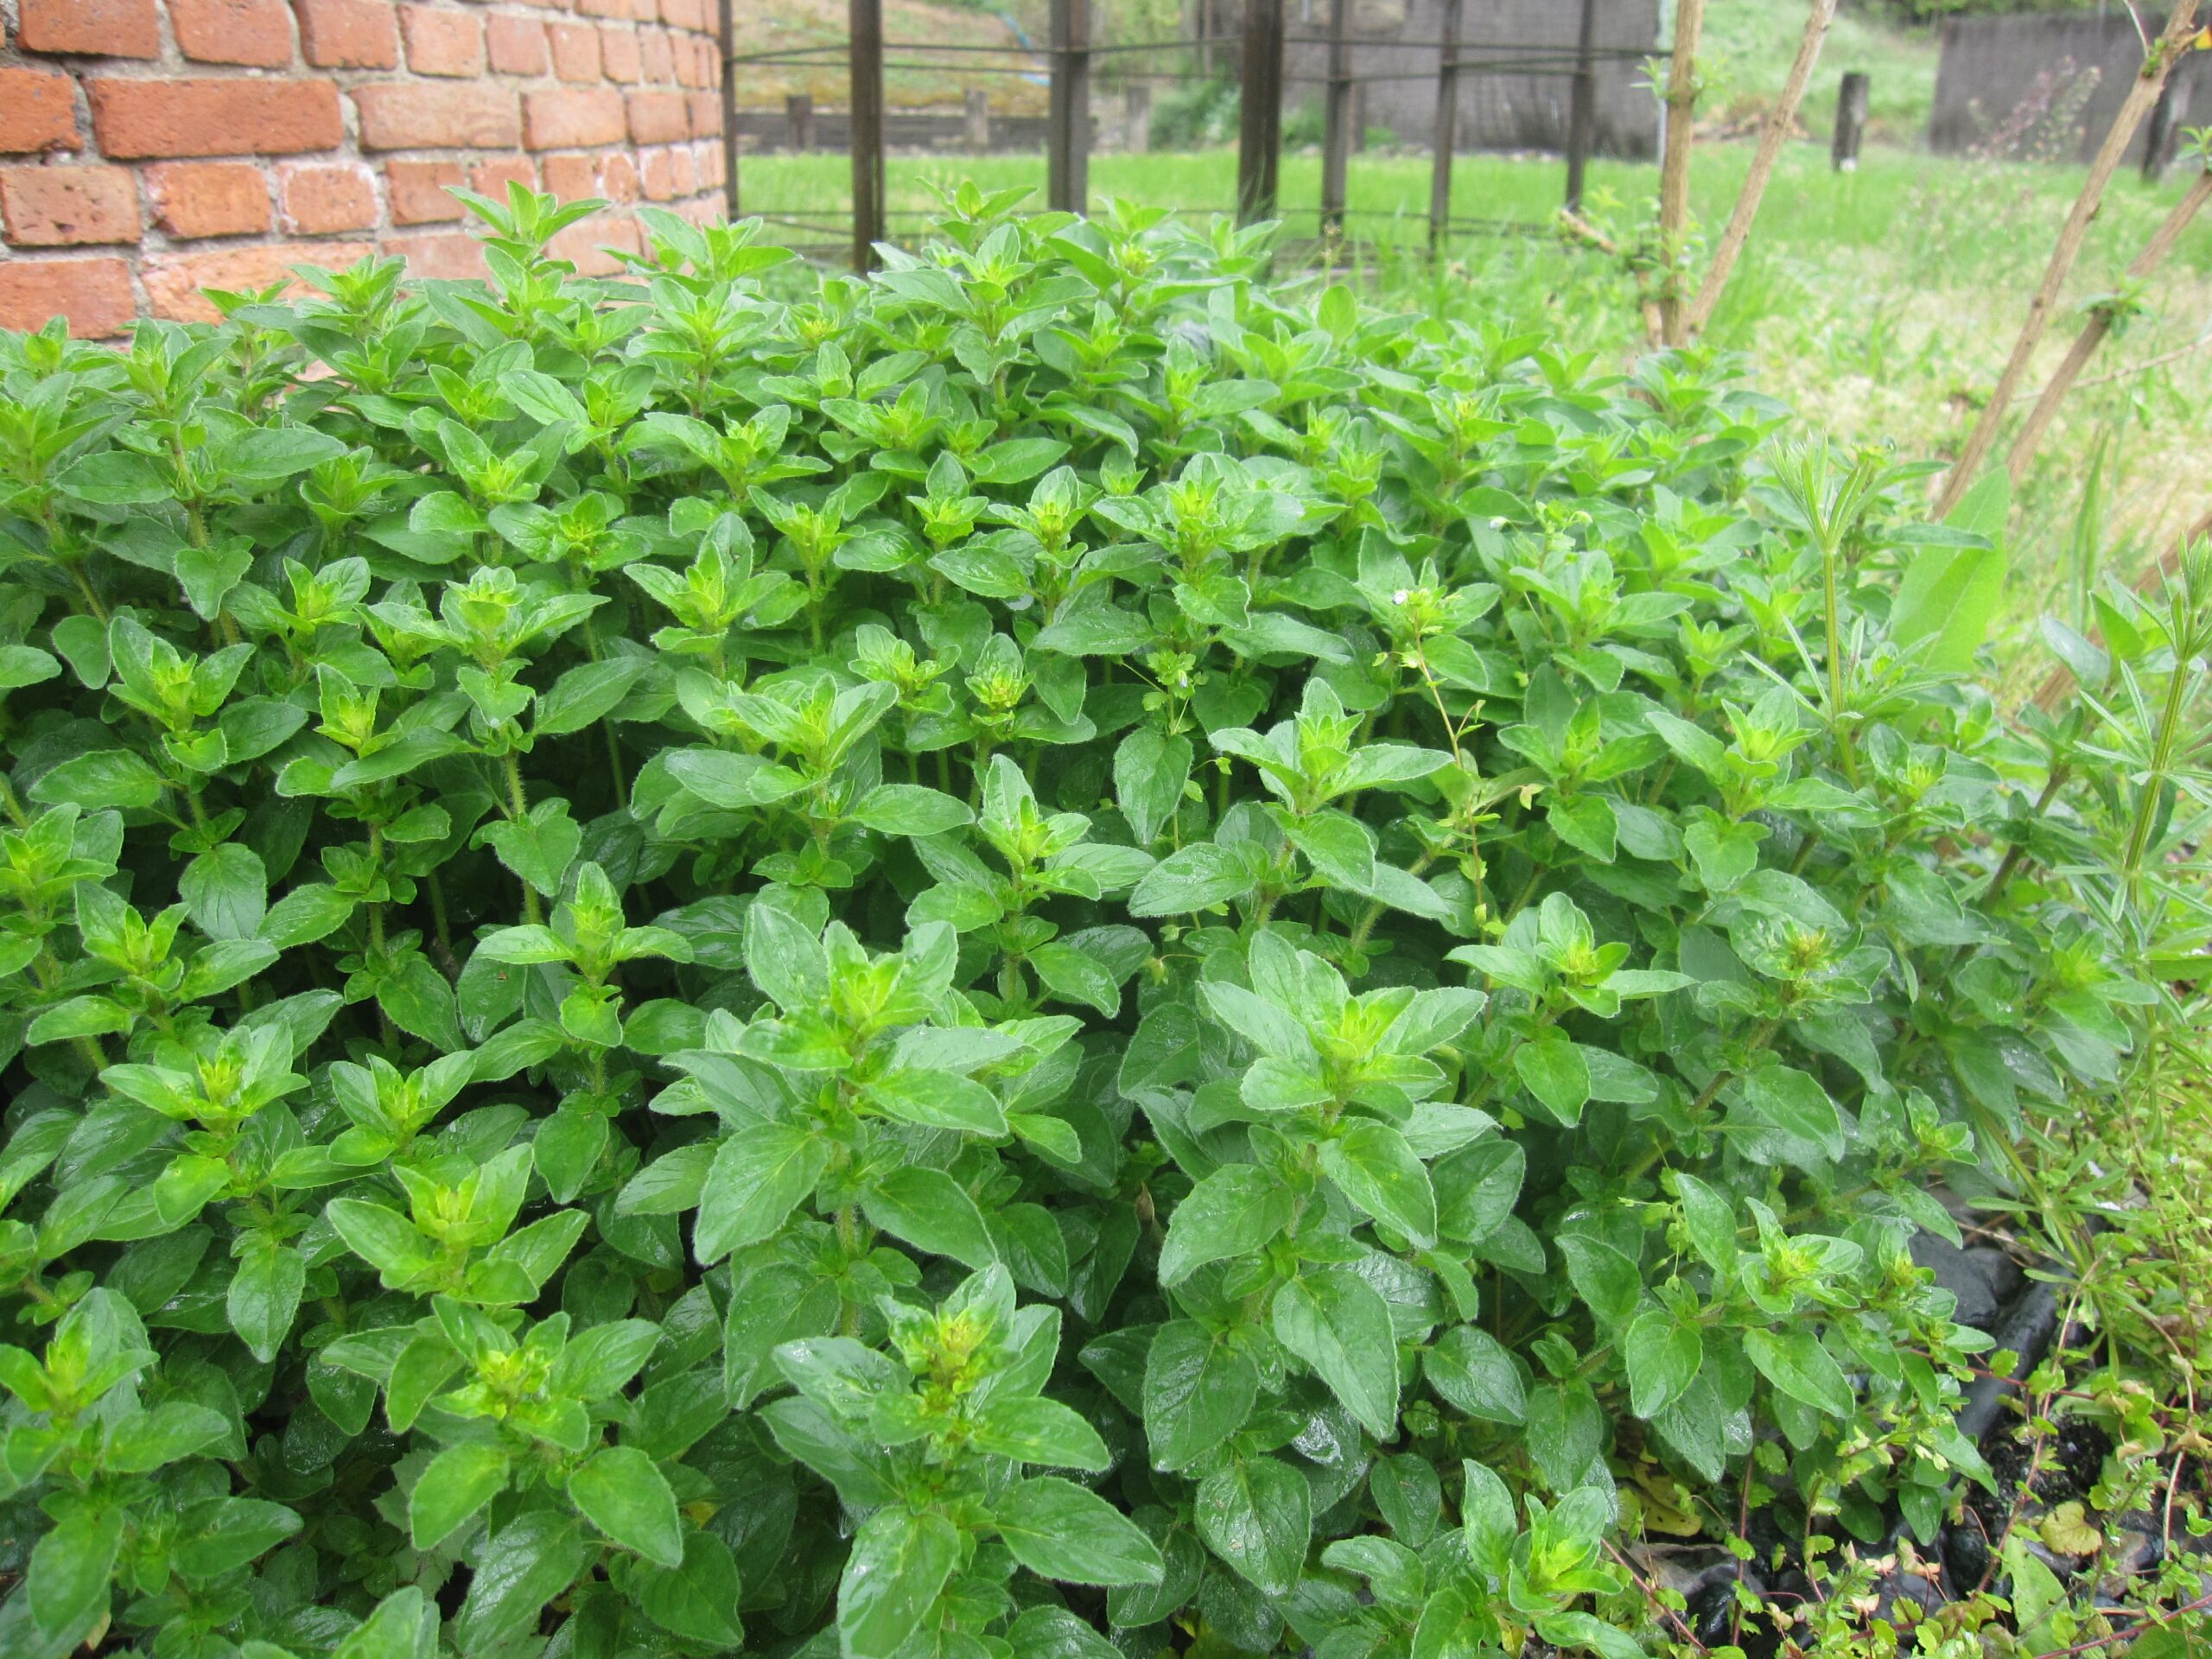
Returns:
(2099, 324)
(1675, 168)
(2158, 65)
(1779, 120)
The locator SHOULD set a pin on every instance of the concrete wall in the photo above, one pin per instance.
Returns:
(1497, 112)
(1995, 69)
(149, 149)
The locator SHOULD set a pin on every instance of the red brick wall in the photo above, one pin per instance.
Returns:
(149, 149)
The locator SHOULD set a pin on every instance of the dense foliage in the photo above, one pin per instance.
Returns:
(1058, 943)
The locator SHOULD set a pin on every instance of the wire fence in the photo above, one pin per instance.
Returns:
(1065, 62)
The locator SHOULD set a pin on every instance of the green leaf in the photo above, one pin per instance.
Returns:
(1784, 1098)
(455, 1485)
(1338, 1324)
(937, 1100)
(1663, 1356)
(586, 693)
(1552, 1067)
(1058, 1530)
(404, 1625)
(264, 1294)
(69, 1570)
(1950, 593)
(1150, 772)
(898, 1564)
(1198, 1388)
(911, 810)
(1257, 1515)
(538, 849)
(931, 1211)
(759, 1176)
(1038, 1430)
(1472, 1370)
(1233, 1211)
(108, 778)
(698, 1599)
(1607, 1280)
(523, 1566)
(1197, 876)
(622, 1492)
(1801, 1368)
(1379, 1173)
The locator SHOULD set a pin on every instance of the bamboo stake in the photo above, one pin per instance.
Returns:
(1675, 168)
(1776, 130)
(2158, 65)
(2099, 324)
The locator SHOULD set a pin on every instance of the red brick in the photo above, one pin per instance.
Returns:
(93, 293)
(670, 173)
(576, 50)
(680, 14)
(573, 119)
(174, 280)
(617, 176)
(517, 45)
(706, 114)
(451, 254)
(605, 8)
(441, 42)
(580, 244)
(710, 166)
(321, 197)
(658, 119)
(420, 114)
(38, 110)
(237, 117)
(569, 177)
(64, 207)
(194, 199)
(417, 190)
(102, 28)
(349, 34)
(490, 178)
(618, 54)
(257, 32)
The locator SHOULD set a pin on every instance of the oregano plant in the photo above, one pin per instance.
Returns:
(1071, 951)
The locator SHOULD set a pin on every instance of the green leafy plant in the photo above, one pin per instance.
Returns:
(1061, 944)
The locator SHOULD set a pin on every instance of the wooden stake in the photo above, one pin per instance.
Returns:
(2099, 324)
(2141, 95)
(1445, 138)
(1067, 152)
(1336, 127)
(1582, 107)
(1779, 120)
(726, 35)
(1259, 133)
(1675, 168)
(865, 55)
(1852, 96)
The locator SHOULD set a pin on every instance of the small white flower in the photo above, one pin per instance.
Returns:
(1400, 597)
(1497, 523)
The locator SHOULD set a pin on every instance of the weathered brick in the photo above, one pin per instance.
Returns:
(669, 173)
(194, 199)
(102, 29)
(658, 62)
(617, 176)
(449, 254)
(491, 177)
(710, 166)
(321, 197)
(255, 32)
(517, 45)
(658, 119)
(93, 293)
(417, 191)
(349, 33)
(582, 243)
(706, 110)
(174, 280)
(680, 13)
(421, 115)
(570, 177)
(605, 8)
(573, 118)
(65, 206)
(618, 52)
(38, 110)
(442, 41)
(235, 117)
(576, 50)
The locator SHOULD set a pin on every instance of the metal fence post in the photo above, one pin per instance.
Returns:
(865, 54)
(1336, 133)
(1447, 126)
(1582, 110)
(798, 116)
(726, 23)
(1259, 136)
(1067, 140)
